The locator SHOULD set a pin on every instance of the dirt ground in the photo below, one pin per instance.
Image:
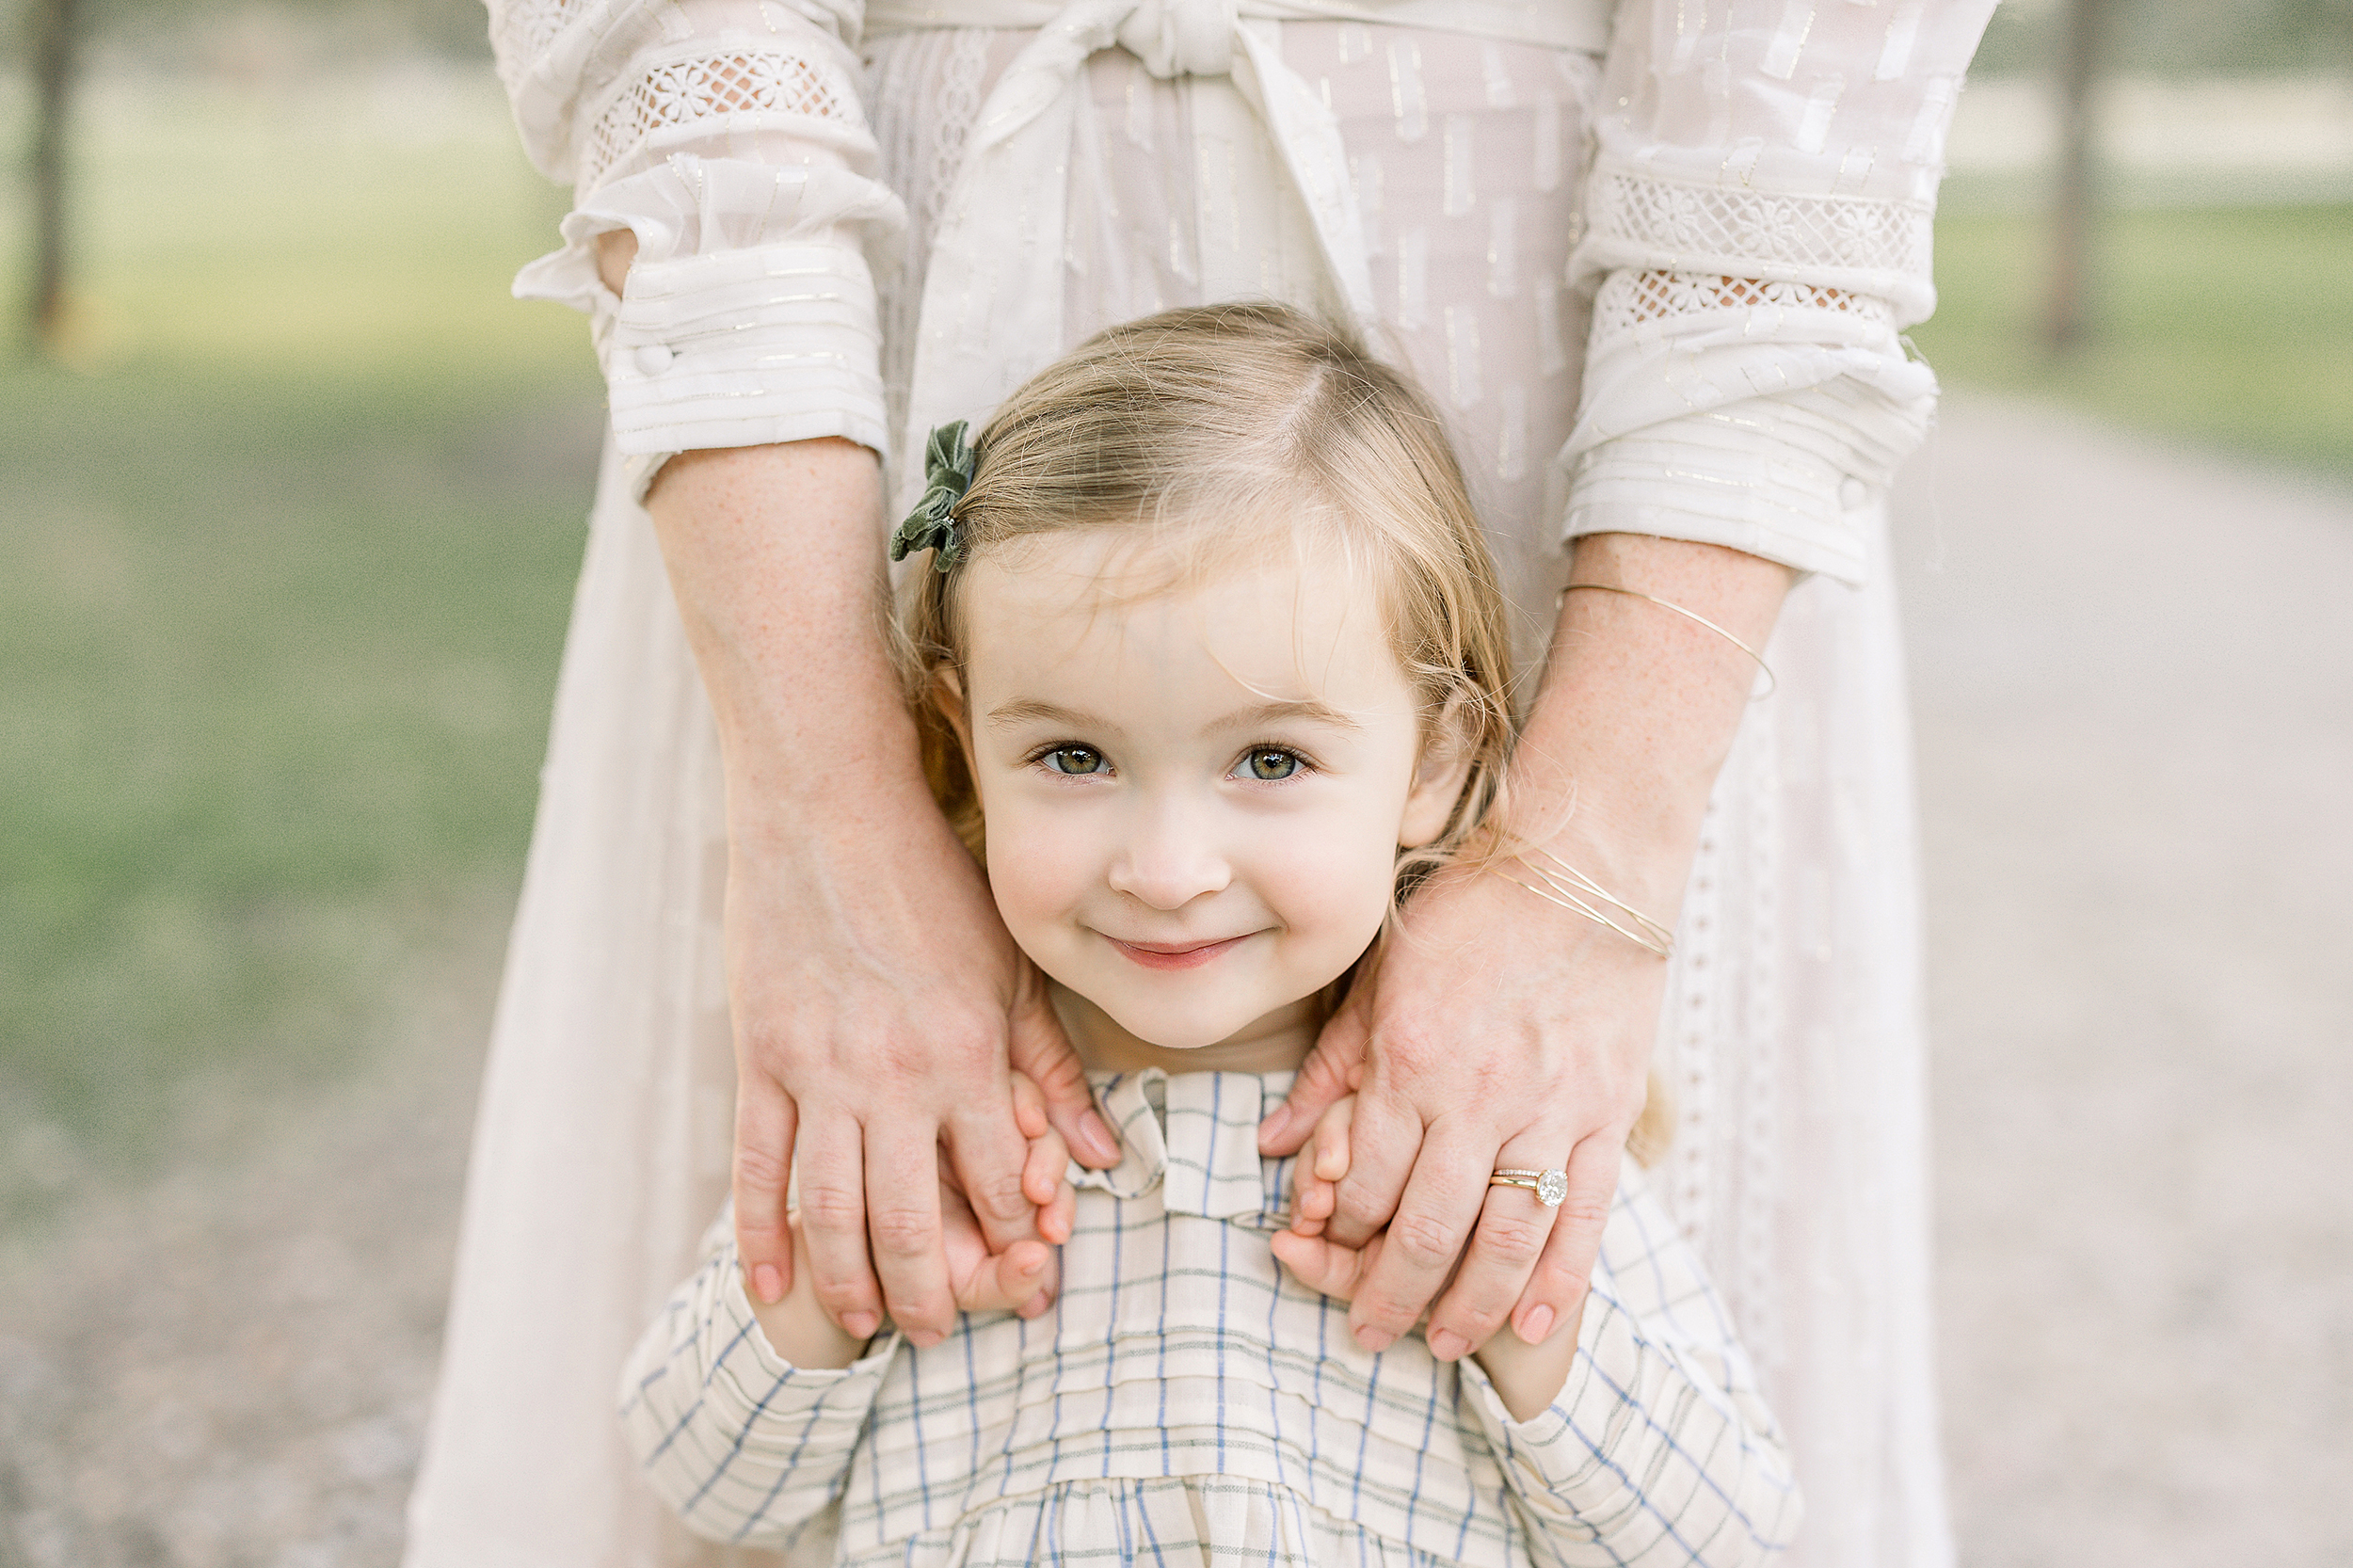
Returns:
(2135, 678)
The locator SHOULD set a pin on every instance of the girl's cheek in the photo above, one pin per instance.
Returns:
(1337, 876)
(1039, 862)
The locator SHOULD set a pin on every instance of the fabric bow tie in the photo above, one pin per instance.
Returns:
(992, 309)
(1195, 1137)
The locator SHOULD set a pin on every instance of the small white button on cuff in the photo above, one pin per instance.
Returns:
(654, 358)
(1852, 492)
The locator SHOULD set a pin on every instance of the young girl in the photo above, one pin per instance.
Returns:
(1213, 665)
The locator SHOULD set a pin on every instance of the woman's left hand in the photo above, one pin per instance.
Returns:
(1566, 1010)
(1501, 1029)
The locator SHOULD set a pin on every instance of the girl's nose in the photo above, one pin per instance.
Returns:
(1168, 860)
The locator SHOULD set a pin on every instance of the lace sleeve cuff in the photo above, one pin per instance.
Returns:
(744, 347)
(1644, 218)
(1764, 417)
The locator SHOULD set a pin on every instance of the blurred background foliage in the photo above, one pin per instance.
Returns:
(289, 537)
(289, 519)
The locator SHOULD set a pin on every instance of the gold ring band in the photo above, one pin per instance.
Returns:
(1550, 1187)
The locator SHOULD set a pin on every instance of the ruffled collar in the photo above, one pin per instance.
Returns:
(1194, 1136)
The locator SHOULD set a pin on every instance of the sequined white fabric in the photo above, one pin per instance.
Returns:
(1792, 1032)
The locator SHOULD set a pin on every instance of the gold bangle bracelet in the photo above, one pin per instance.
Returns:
(1570, 888)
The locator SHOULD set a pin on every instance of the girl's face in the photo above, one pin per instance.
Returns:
(1194, 798)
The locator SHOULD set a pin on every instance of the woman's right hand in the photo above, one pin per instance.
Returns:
(880, 1005)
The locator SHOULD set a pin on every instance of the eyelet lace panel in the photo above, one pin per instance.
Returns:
(683, 92)
(1629, 297)
(1752, 230)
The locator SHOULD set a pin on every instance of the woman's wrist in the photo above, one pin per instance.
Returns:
(1637, 712)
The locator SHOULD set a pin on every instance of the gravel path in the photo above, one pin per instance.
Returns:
(2134, 672)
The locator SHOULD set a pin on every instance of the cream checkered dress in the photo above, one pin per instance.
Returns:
(1188, 1402)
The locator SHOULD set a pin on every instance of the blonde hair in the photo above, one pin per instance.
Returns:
(1221, 434)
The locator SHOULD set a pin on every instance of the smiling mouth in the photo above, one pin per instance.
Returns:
(1175, 956)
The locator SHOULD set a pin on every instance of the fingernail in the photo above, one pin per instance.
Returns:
(768, 1283)
(860, 1325)
(1536, 1325)
(1446, 1345)
(1374, 1339)
(1276, 1120)
(1098, 1136)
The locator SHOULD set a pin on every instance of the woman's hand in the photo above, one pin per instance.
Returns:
(1481, 959)
(1527, 1377)
(879, 1006)
(1501, 1030)
(1020, 1279)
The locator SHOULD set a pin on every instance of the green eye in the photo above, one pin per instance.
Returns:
(1268, 763)
(1075, 759)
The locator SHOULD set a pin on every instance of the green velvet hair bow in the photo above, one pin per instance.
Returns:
(947, 464)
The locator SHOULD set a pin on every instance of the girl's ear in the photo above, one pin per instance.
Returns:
(1438, 785)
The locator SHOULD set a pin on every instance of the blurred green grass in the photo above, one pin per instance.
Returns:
(2226, 327)
(288, 566)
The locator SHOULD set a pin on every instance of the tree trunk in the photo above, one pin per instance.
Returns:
(54, 28)
(2067, 312)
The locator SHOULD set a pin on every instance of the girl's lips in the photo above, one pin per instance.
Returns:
(1175, 955)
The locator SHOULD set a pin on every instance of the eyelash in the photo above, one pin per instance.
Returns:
(1302, 763)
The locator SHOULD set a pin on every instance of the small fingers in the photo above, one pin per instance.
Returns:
(1331, 1156)
(1321, 1165)
(1384, 1141)
(1331, 1070)
(1042, 1052)
(765, 1122)
(1009, 1281)
(1324, 1266)
(1042, 1173)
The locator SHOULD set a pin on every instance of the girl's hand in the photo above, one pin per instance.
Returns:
(1315, 1180)
(1020, 1279)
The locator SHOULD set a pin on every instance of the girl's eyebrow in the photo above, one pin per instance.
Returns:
(1025, 711)
(1029, 710)
(1306, 708)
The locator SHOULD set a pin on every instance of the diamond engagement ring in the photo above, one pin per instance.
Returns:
(1550, 1187)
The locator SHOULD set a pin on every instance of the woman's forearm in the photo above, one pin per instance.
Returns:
(1636, 715)
(1639, 708)
(774, 553)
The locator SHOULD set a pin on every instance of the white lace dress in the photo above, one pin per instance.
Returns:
(1652, 266)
